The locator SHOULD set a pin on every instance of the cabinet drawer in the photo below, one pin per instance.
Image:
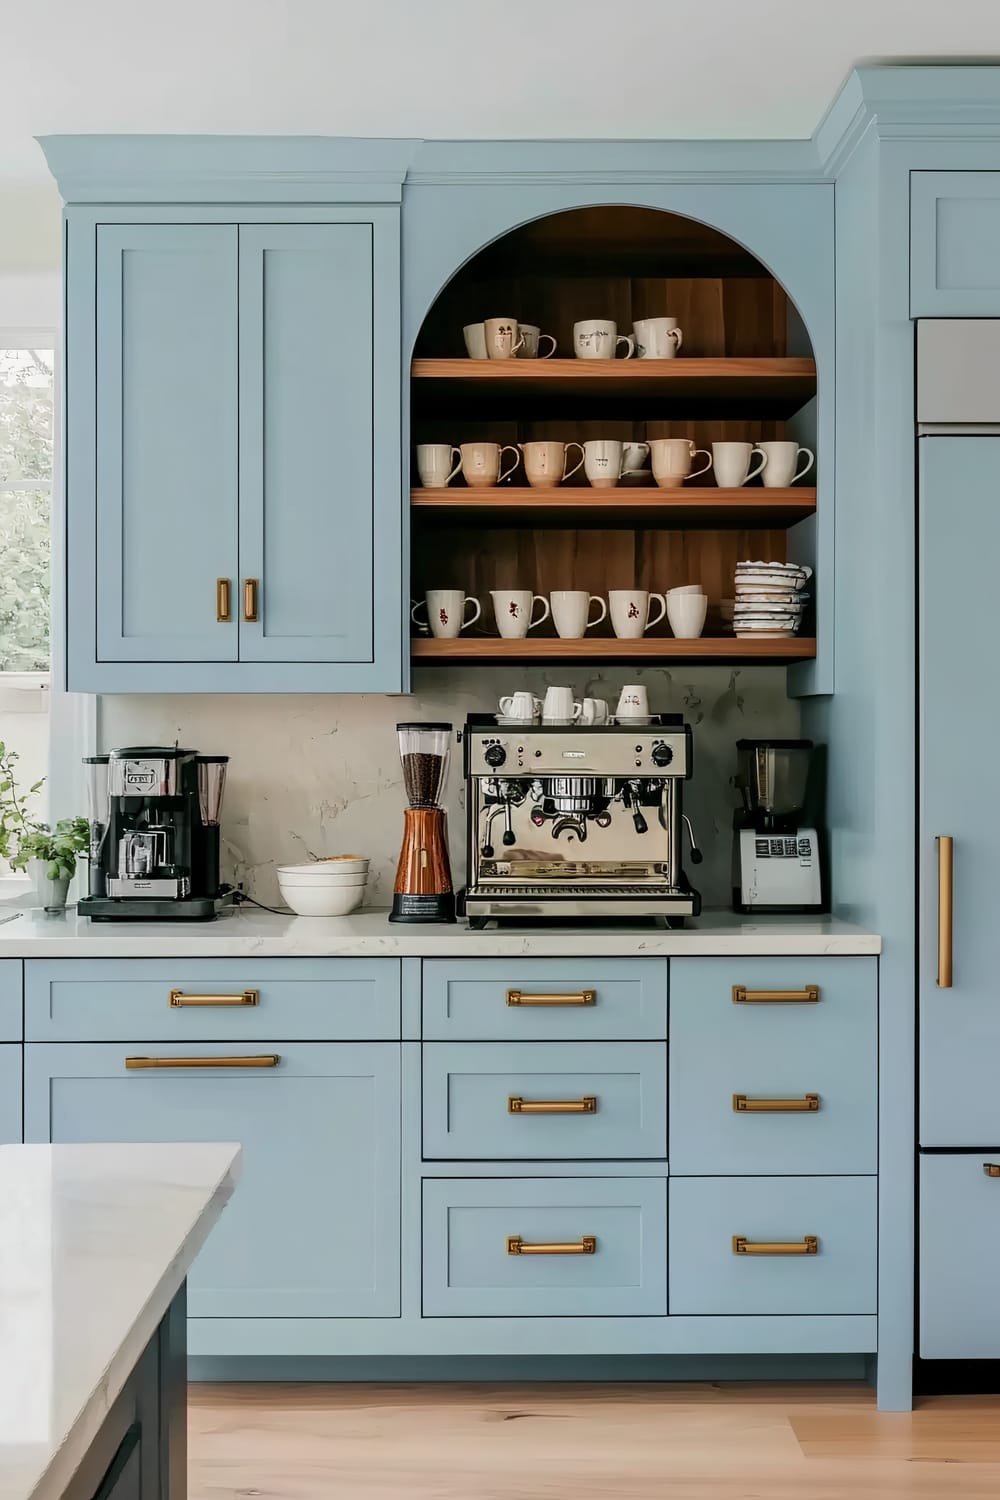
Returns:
(10, 1094)
(469, 1270)
(214, 1000)
(545, 1000)
(535, 1101)
(738, 1070)
(955, 244)
(959, 1232)
(11, 1022)
(708, 1275)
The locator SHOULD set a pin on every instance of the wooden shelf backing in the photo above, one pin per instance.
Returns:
(650, 650)
(692, 508)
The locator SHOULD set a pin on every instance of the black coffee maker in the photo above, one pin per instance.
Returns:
(154, 835)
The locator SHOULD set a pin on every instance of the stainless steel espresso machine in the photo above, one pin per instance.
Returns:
(154, 835)
(576, 821)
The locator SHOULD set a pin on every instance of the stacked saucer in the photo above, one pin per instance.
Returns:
(770, 599)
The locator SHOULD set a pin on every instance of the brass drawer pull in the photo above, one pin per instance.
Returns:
(990, 1169)
(807, 1246)
(178, 999)
(251, 589)
(587, 1245)
(946, 882)
(269, 1060)
(223, 601)
(579, 997)
(804, 1106)
(806, 996)
(585, 1106)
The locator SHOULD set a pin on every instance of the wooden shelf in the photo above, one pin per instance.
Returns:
(701, 509)
(651, 650)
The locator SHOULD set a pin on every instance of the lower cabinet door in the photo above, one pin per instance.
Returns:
(10, 1094)
(544, 1247)
(313, 1228)
(959, 1234)
(772, 1245)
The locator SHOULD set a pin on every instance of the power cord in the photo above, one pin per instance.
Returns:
(240, 898)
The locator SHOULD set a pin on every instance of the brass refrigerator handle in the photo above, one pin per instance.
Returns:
(585, 1106)
(251, 591)
(178, 999)
(991, 1169)
(946, 882)
(808, 995)
(808, 1104)
(577, 997)
(223, 600)
(586, 1245)
(267, 1060)
(809, 1245)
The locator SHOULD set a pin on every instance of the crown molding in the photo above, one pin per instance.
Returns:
(942, 102)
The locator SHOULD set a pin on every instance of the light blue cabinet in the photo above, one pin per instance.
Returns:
(234, 484)
(955, 244)
(10, 1093)
(959, 1232)
(314, 1230)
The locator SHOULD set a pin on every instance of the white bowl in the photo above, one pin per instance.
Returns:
(319, 869)
(306, 901)
(303, 882)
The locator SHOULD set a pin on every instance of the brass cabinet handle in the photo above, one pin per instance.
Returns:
(178, 999)
(585, 1106)
(946, 874)
(806, 996)
(579, 997)
(586, 1245)
(268, 1060)
(807, 1246)
(223, 600)
(990, 1169)
(251, 590)
(742, 1105)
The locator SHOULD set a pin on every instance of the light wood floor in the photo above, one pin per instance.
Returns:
(557, 1442)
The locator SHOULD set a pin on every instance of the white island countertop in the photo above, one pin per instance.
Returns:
(251, 932)
(95, 1242)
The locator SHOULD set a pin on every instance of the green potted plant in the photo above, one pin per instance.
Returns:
(48, 854)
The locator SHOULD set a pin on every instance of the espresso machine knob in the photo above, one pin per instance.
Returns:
(661, 754)
(494, 755)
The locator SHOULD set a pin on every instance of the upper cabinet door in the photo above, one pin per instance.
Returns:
(307, 435)
(955, 244)
(167, 413)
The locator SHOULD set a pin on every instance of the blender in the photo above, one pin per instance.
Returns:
(423, 890)
(776, 855)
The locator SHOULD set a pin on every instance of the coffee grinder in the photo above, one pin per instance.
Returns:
(776, 853)
(423, 890)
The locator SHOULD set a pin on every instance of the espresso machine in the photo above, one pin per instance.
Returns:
(570, 821)
(154, 835)
(776, 848)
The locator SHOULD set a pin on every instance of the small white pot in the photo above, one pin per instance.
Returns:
(50, 893)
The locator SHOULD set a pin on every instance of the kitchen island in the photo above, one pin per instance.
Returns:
(95, 1246)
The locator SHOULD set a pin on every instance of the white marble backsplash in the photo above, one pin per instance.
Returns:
(320, 774)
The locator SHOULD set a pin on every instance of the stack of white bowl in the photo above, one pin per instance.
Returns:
(770, 598)
(325, 887)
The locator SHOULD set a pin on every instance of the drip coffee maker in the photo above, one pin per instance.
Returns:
(423, 890)
(776, 864)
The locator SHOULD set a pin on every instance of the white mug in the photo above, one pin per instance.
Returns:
(657, 338)
(602, 462)
(630, 610)
(475, 340)
(434, 464)
(686, 614)
(513, 610)
(782, 457)
(633, 703)
(481, 464)
(672, 460)
(531, 336)
(521, 706)
(732, 463)
(446, 612)
(503, 338)
(595, 711)
(545, 463)
(560, 704)
(571, 612)
(634, 455)
(598, 338)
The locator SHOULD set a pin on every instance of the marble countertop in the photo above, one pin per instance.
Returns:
(251, 932)
(94, 1243)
